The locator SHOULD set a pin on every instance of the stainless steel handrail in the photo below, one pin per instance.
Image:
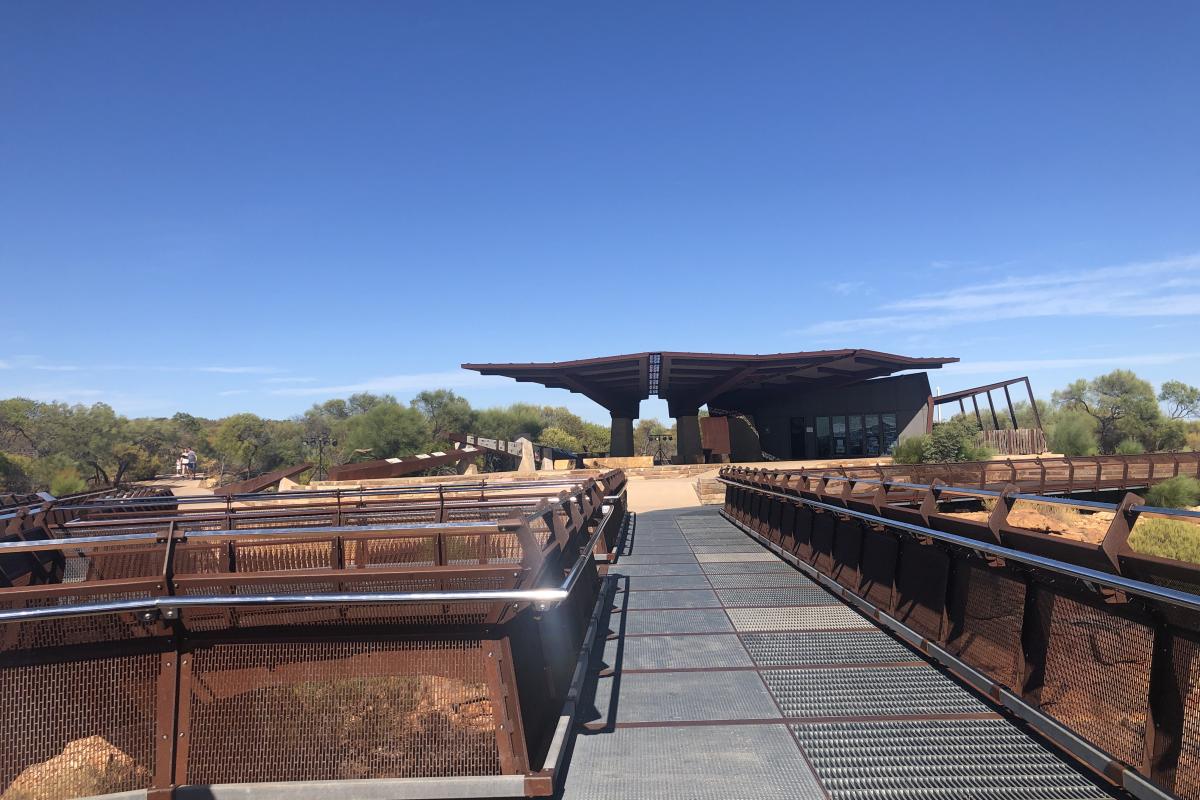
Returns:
(170, 606)
(179, 535)
(1153, 591)
(967, 491)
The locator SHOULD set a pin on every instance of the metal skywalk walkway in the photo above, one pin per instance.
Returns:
(730, 675)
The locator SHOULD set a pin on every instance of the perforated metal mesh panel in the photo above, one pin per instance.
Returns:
(78, 728)
(1187, 783)
(986, 622)
(785, 596)
(802, 618)
(1098, 677)
(937, 760)
(292, 711)
(883, 691)
(824, 647)
(759, 579)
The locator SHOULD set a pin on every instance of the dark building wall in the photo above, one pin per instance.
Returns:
(905, 395)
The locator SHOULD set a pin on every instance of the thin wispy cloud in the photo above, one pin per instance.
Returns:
(393, 383)
(1164, 288)
(232, 392)
(289, 380)
(237, 370)
(847, 287)
(35, 363)
(1040, 364)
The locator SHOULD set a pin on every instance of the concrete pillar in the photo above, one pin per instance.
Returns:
(687, 439)
(621, 436)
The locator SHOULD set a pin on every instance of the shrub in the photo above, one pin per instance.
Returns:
(1178, 492)
(1166, 538)
(1074, 434)
(67, 481)
(910, 450)
(1129, 447)
(956, 440)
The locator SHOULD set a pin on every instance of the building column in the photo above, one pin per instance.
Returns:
(688, 445)
(620, 443)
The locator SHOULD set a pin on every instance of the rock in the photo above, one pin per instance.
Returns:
(463, 705)
(85, 767)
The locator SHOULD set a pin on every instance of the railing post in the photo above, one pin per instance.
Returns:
(1171, 666)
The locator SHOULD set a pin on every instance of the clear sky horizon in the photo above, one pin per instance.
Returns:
(257, 206)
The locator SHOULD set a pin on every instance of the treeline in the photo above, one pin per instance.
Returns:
(1117, 413)
(1121, 413)
(69, 448)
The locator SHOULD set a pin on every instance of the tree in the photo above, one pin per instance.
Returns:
(557, 437)
(1183, 400)
(13, 475)
(510, 422)
(1122, 404)
(388, 429)
(446, 413)
(643, 446)
(241, 440)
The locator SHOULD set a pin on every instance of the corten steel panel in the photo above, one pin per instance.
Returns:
(847, 550)
(921, 580)
(1097, 678)
(714, 434)
(333, 710)
(800, 544)
(785, 536)
(877, 566)
(61, 714)
(258, 484)
(986, 610)
(824, 527)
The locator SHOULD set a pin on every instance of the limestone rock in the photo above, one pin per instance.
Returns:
(85, 767)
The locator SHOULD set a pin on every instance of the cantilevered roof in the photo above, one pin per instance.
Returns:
(620, 382)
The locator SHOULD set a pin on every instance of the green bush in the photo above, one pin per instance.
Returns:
(67, 481)
(956, 440)
(1074, 434)
(910, 450)
(1166, 538)
(1178, 492)
(1129, 447)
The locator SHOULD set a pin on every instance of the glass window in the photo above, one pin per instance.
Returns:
(855, 443)
(890, 431)
(838, 425)
(871, 423)
(823, 447)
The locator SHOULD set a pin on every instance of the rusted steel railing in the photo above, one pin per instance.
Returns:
(189, 660)
(1043, 476)
(1098, 646)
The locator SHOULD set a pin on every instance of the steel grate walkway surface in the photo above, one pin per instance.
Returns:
(729, 674)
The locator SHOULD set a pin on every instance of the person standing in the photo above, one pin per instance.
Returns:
(191, 461)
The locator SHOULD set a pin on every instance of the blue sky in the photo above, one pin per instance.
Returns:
(256, 206)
